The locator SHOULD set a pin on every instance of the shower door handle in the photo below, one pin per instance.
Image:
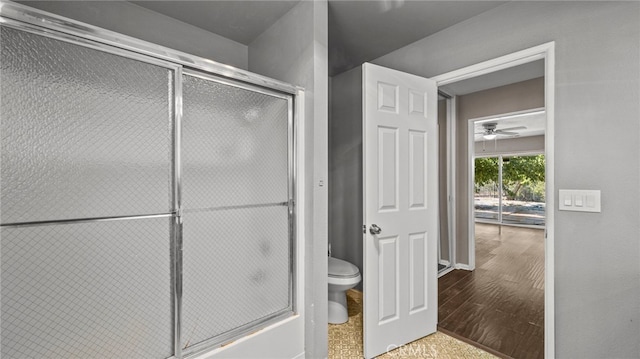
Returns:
(374, 229)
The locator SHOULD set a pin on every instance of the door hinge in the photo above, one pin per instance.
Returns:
(364, 228)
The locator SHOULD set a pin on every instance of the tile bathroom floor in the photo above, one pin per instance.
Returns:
(345, 340)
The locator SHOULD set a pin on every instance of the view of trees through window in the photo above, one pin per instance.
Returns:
(520, 199)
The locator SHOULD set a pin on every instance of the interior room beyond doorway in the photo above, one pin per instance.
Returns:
(500, 305)
(482, 263)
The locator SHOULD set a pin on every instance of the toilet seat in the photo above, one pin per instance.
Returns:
(342, 269)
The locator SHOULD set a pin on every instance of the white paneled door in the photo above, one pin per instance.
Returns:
(400, 208)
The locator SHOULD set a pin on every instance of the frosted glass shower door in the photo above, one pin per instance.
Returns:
(87, 290)
(85, 133)
(86, 187)
(237, 254)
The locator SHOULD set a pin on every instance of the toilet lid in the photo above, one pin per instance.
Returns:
(340, 268)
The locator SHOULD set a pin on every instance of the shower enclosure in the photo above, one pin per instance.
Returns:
(147, 200)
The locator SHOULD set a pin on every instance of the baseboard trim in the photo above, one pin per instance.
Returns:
(449, 269)
(471, 342)
(463, 266)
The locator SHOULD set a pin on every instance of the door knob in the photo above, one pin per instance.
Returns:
(374, 229)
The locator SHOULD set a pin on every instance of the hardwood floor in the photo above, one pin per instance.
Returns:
(500, 305)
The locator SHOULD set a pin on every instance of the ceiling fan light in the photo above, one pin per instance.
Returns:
(490, 136)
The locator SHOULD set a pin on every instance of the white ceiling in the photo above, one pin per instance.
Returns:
(359, 31)
(240, 20)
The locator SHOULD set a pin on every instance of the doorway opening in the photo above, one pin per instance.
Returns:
(347, 155)
(461, 204)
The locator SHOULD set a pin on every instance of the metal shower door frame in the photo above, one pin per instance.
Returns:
(38, 22)
(229, 336)
(46, 21)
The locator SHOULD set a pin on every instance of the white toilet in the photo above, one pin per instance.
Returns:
(342, 276)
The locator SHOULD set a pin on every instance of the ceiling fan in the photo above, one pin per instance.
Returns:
(491, 132)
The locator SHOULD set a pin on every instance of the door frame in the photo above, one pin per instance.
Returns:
(451, 101)
(546, 52)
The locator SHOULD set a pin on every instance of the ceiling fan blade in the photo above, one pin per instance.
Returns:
(506, 133)
(512, 128)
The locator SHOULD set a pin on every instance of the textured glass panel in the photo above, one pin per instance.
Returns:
(84, 133)
(234, 145)
(236, 269)
(87, 290)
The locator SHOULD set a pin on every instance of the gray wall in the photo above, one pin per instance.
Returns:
(294, 50)
(345, 168)
(133, 20)
(597, 136)
(520, 96)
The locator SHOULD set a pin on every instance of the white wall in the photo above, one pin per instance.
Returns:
(597, 137)
(294, 50)
(133, 20)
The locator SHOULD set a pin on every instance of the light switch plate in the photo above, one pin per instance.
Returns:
(579, 200)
